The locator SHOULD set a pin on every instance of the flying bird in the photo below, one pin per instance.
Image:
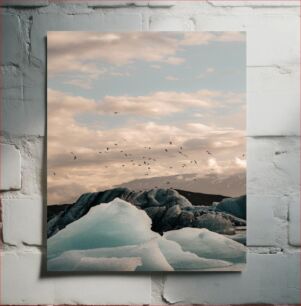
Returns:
(74, 156)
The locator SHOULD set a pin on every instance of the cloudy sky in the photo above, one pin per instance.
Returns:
(135, 106)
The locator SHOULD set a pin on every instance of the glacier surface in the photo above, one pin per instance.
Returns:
(113, 224)
(117, 236)
(207, 244)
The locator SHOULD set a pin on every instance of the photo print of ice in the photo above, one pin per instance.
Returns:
(146, 151)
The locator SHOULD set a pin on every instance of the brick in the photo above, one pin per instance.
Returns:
(266, 279)
(274, 40)
(250, 3)
(22, 221)
(11, 83)
(24, 3)
(114, 4)
(162, 4)
(33, 167)
(10, 168)
(13, 47)
(294, 220)
(23, 282)
(139, 3)
(108, 4)
(34, 100)
(273, 101)
(170, 23)
(23, 103)
(273, 166)
(266, 214)
(218, 21)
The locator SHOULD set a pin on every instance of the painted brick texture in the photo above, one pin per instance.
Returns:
(273, 151)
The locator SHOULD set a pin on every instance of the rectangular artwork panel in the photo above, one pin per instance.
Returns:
(146, 151)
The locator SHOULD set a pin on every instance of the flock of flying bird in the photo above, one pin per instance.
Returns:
(147, 161)
(144, 161)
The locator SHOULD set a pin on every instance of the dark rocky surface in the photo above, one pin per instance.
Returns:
(54, 210)
(167, 208)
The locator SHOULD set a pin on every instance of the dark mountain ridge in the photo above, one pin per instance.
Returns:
(167, 208)
(195, 198)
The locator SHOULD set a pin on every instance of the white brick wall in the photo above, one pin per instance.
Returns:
(273, 128)
(22, 226)
(10, 168)
(267, 279)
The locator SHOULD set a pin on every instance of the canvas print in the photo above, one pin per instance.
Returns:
(146, 151)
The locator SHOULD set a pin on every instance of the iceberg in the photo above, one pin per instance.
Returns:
(207, 244)
(75, 261)
(187, 261)
(159, 254)
(117, 236)
(117, 223)
(149, 255)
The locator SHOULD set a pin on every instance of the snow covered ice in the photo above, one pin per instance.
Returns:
(208, 244)
(117, 236)
(117, 223)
